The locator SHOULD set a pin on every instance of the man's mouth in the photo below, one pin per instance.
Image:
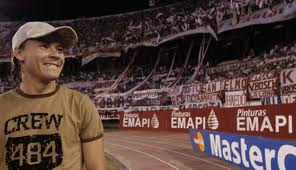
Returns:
(52, 65)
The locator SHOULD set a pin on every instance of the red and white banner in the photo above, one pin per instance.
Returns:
(234, 66)
(288, 81)
(151, 94)
(174, 91)
(223, 85)
(113, 102)
(233, 84)
(288, 77)
(148, 108)
(201, 105)
(263, 76)
(279, 12)
(288, 98)
(191, 89)
(263, 88)
(235, 99)
(212, 87)
(195, 98)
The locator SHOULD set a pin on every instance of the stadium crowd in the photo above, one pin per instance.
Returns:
(141, 27)
(280, 56)
(150, 28)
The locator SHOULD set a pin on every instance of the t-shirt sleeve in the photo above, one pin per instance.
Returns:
(91, 124)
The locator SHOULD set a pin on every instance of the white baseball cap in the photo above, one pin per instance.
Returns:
(32, 30)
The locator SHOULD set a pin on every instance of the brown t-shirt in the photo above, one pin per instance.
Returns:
(46, 131)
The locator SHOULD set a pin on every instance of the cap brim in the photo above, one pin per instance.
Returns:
(67, 34)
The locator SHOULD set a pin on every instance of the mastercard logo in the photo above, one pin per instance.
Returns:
(199, 141)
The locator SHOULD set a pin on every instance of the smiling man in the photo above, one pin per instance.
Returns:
(45, 125)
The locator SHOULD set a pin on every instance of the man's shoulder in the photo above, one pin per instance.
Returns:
(8, 94)
(74, 96)
(8, 98)
(72, 92)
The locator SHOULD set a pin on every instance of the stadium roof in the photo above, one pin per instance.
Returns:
(12, 10)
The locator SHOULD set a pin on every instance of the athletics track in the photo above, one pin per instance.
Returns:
(147, 150)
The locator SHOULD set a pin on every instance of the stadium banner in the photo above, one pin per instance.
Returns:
(182, 120)
(235, 98)
(262, 94)
(248, 152)
(149, 108)
(275, 121)
(111, 95)
(177, 100)
(144, 120)
(233, 84)
(153, 97)
(262, 88)
(195, 98)
(191, 89)
(233, 66)
(147, 102)
(217, 86)
(151, 94)
(279, 60)
(288, 81)
(279, 12)
(288, 77)
(113, 102)
(211, 87)
(288, 98)
(209, 92)
(238, 64)
(262, 76)
(136, 108)
(200, 105)
(271, 100)
(175, 91)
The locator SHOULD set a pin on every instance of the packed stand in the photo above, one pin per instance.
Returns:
(281, 56)
(150, 26)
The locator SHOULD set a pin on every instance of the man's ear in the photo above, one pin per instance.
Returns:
(18, 54)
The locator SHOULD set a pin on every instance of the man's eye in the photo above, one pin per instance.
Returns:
(60, 49)
(44, 46)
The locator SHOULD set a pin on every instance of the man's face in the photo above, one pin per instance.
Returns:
(42, 59)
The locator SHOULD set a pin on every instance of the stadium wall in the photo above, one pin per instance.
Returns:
(274, 121)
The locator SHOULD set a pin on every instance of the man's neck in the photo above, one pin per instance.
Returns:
(37, 88)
